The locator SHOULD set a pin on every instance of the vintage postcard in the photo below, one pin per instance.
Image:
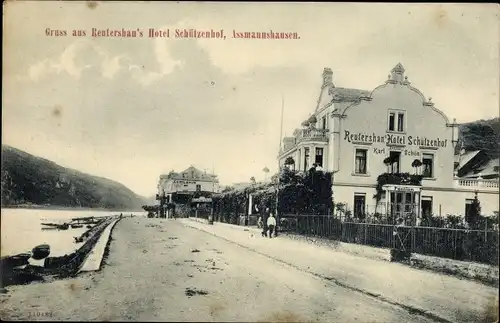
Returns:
(250, 162)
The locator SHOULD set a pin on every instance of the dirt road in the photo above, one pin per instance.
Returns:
(162, 270)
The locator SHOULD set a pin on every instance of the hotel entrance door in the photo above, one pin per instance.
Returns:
(403, 204)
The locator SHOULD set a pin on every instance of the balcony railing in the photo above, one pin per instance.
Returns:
(471, 183)
(312, 134)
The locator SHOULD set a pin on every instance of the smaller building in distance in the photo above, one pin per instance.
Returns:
(184, 186)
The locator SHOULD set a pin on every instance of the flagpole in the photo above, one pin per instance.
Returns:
(279, 167)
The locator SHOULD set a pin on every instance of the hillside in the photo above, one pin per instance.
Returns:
(27, 179)
(481, 134)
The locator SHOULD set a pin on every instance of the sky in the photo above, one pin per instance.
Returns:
(130, 109)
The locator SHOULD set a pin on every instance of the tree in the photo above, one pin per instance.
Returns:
(474, 212)
(416, 164)
(252, 179)
(266, 171)
(289, 162)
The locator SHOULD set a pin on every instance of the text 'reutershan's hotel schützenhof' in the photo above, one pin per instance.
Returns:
(353, 132)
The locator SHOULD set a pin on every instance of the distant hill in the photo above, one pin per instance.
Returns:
(481, 134)
(31, 180)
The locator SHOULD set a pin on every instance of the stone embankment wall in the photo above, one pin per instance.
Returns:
(69, 265)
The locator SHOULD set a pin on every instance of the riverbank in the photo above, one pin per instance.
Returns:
(87, 257)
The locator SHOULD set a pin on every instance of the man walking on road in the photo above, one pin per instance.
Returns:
(271, 224)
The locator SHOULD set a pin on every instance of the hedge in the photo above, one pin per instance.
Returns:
(309, 193)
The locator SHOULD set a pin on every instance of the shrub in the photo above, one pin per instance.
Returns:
(299, 193)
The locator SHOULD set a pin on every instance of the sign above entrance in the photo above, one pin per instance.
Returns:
(401, 188)
(394, 139)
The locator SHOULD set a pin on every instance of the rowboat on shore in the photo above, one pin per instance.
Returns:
(75, 226)
(41, 251)
(15, 261)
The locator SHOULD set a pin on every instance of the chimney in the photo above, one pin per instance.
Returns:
(327, 77)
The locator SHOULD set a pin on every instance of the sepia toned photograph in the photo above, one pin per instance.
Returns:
(250, 162)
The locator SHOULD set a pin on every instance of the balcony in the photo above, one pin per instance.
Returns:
(312, 134)
(304, 135)
(477, 184)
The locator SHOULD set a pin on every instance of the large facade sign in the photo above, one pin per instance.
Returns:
(394, 139)
(184, 182)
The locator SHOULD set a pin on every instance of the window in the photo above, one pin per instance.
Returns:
(428, 165)
(360, 161)
(198, 188)
(426, 206)
(468, 206)
(401, 120)
(319, 157)
(359, 205)
(408, 203)
(395, 157)
(324, 122)
(396, 203)
(397, 121)
(306, 159)
(392, 117)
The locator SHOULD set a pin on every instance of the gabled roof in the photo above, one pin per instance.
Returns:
(467, 157)
(490, 168)
(347, 95)
(192, 173)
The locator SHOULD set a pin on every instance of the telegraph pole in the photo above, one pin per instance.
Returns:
(279, 167)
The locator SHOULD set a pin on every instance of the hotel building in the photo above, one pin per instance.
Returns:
(186, 183)
(358, 135)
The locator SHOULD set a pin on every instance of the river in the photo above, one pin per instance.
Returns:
(21, 230)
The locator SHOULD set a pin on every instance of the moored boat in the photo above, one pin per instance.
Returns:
(64, 226)
(50, 228)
